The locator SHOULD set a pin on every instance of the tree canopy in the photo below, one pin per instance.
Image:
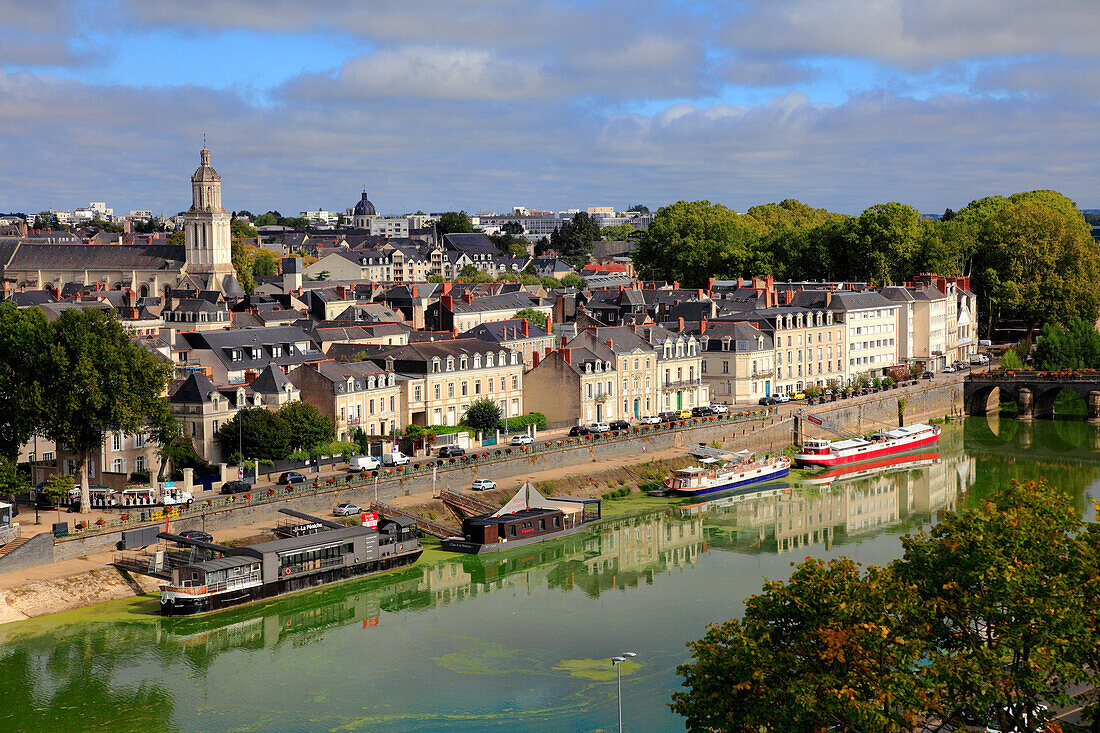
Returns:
(274, 435)
(483, 414)
(532, 316)
(990, 610)
(1030, 256)
(453, 222)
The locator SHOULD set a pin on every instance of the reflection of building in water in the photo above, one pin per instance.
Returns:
(805, 520)
(775, 520)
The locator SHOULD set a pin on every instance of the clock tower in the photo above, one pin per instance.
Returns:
(206, 232)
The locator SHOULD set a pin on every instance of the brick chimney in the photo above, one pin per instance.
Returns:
(341, 292)
(524, 327)
(415, 292)
(702, 326)
(468, 295)
(611, 343)
(447, 287)
(535, 359)
(447, 301)
(567, 355)
(703, 293)
(710, 284)
(788, 296)
(680, 323)
(675, 284)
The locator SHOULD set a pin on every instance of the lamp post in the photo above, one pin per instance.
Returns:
(616, 661)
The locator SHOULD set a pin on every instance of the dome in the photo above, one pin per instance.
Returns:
(204, 172)
(364, 207)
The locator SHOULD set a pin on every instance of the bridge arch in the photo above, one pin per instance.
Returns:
(982, 399)
(1046, 396)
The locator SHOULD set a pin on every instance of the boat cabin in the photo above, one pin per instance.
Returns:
(817, 446)
(488, 529)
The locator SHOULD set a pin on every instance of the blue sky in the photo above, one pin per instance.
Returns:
(486, 105)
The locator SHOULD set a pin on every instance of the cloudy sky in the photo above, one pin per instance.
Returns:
(549, 104)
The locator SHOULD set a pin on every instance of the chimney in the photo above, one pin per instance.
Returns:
(702, 326)
(710, 284)
(675, 284)
(523, 327)
(415, 293)
(454, 332)
(703, 293)
(447, 301)
(468, 295)
(680, 323)
(535, 359)
(788, 296)
(447, 287)
(567, 355)
(611, 343)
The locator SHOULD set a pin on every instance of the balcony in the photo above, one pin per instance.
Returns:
(350, 421)
(763, 375)
(682, 384)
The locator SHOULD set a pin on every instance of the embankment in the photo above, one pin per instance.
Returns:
(41, 597)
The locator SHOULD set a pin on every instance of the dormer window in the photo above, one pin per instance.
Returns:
(588, 368)
(799, 320)
(435, 365)
(389, 379)
(463, 362)
(477, 361)
(450, 363)
(515, 358)
(790, 322)
(489, 360)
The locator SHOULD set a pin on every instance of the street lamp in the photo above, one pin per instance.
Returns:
(615, 662)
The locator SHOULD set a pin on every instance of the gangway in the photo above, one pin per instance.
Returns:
(466, 505)
(428, 526)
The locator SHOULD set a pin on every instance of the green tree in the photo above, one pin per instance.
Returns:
(572, 280)
(1011, 360)
(690, 242)
(267, 220)
(56, 490)
(240, 229)
(306, 425)
(527, 278)
(483, 415)
(550, 283)
(575, 238)
(453, 222)
(1000, 607)
(435, 279)
(242, 265)
(470, 274)
(12, 480)
(617, 233)
(164, 431)
(264, 263)
(821, 652)
(177, 238)
(97, 380)
(513, 227)
(24, 338)
(532, 316)
(886, 243)
(260, 433)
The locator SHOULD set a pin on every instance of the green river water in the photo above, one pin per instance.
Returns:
(517, 641)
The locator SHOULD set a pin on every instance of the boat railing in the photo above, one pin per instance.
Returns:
(216, 587)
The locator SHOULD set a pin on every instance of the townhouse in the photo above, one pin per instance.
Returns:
(232, 356)
(468, 311)
(359, 395)
(440, 379)
(530, 340)
(737, 360)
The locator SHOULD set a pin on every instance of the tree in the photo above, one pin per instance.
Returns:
(821, 652)
(483, 415)
(639, 208)
(264, 263)
(453, 222)
(903, 402)
(259, 433)
(690, 242)
(572, 280)
(532, 316)
(306, 425)
(575, 238)
(12, 480)
(1075, 347)
(24, 338)
(542, 246)
(1000, 607)
(267, 220)
(97, 380)
(886, 243)
(527, 278)
(549, 283)
(242, 265)
(177, 238)
(241, 230)
(435, 279)
(1011, 360)
(164, 431)
(617, 233)
(514, 228)
(470, 274)
(56, 489)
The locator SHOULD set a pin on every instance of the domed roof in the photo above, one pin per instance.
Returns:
(204, 172)
(364, 207)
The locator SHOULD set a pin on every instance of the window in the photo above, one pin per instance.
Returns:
(139, 439)
(725, 367)
(116, 441)
(465, 389)
(437, 389)
(477, 386)
(139, 462)
(450, 389)
(416, 393)
(515, 382)
(435, 366)
(118, 465)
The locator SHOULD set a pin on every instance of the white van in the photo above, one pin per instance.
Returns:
(397, 458)
(363, 463)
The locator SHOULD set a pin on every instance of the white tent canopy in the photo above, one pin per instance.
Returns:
(527, 497)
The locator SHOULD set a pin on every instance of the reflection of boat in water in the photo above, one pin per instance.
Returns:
(872, 468)
(736, 470)
(727, 500)
(817, 452)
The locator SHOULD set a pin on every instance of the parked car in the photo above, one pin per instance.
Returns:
(450, 451)
(782, 397)
(236, 487)
(985, 342)
(948, 369)
(291, 477)
(521, 440)
(799, 395)
(701, 411)
(197, 534)
(927, 375)
(769, 400)
(684, 414)
(363, 463)
(619, 425)
(599, 427)
(578, 430)
(651, 420)
(670, 416)
(483, 484)
(719, 409)
(346, 510)
(397, 458)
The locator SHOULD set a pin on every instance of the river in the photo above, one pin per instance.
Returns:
(516, 642)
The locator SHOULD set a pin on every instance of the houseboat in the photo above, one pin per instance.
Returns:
(529, 517)
(270, 569)
(825, 453)
(877, 467)
(725, 471)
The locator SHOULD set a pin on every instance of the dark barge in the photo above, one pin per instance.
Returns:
(270, 569)
(528, 518)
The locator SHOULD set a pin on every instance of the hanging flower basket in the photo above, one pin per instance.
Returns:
(331, 480)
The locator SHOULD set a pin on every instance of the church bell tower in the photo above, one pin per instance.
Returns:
(206, 231)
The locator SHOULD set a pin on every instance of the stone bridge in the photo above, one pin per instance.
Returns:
(1033, 392)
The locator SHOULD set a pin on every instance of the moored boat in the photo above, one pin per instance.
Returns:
(712, 478)
(825, 453)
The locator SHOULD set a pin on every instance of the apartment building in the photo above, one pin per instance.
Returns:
(808, 342)
(439, 379)
(354, 395)
(680, 383)
(737, 360)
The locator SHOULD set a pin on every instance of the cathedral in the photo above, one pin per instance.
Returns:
(204, 262)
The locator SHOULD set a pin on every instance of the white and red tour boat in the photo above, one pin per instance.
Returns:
(817, 452)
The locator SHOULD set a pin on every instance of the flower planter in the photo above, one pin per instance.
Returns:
(246, 496)
(126, 517)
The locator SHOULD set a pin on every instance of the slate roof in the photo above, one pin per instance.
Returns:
(194, 390)
(272, 380)
(507, 330)
(31, 297)
(847, 300)
(92, 257)
(504, 301)
(477, 242)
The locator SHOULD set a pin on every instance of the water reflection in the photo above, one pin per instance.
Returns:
(147, 674)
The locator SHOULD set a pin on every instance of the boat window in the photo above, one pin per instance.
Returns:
(542, 524)
(512, 530)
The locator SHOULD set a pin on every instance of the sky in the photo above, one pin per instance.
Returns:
(549, 104)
